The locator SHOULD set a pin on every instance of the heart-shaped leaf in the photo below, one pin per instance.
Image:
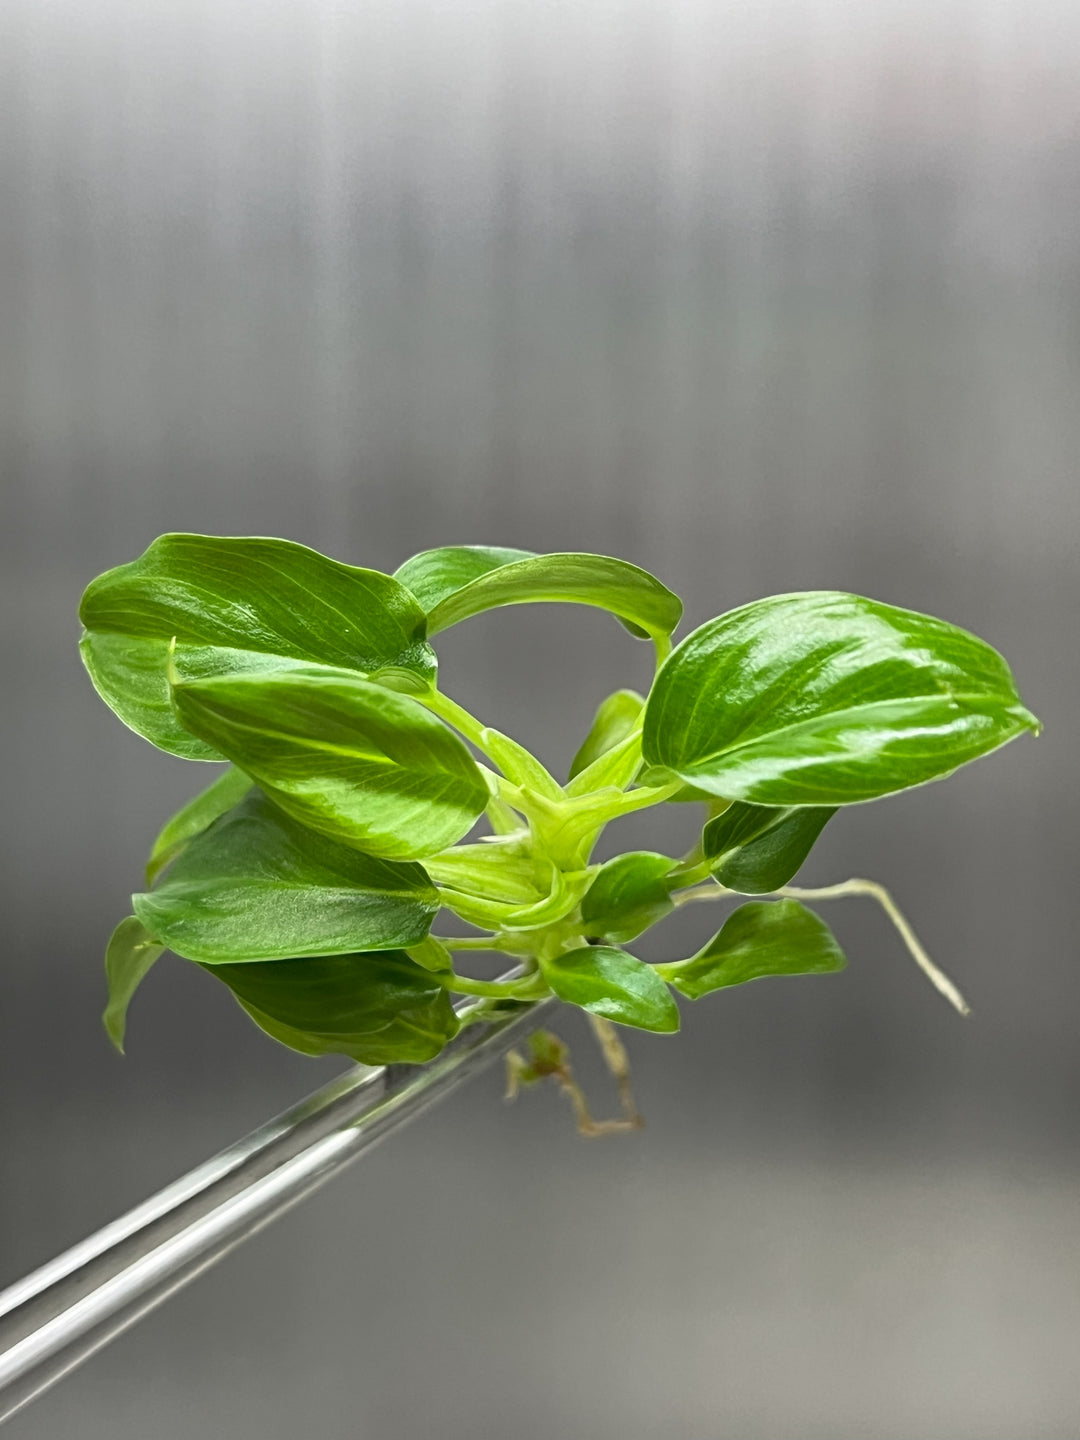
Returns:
(484, 581)
(629, 894)
(611, 983)
(346, 757)
(258, 886)
(827, 699)
(193, 818)
(778, 937)
(615, 719)
(377, 1008)
(130, 954)
(755, 849)
(233, 605)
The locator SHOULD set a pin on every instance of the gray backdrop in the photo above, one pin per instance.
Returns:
(764, 297)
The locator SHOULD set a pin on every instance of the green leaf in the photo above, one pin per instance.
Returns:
(612, 771)
(519, 765)
(827, 699)
(688, 795)
(432, 955)
(220, 796)
(497, 871)
(763, 938)
(482, 581)
(628, 895)
(564, 893)
(233, 605)
(755, 849)
(130, 954)
(435, 574)
(413, 1038)
(615, 719)
(611, 983)
(258, 886)
(377, 1008)
(347, 758)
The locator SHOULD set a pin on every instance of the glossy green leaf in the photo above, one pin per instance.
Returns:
(611, 983)
(762, 938)
(635, 597)
(827, 699)
(233, 605)
(433, 575)
(615, 719)
(220, 796)
(376, 1008)
(258, 886)
(755, 849)
(347, 758)
(629, 894)
(130, 954)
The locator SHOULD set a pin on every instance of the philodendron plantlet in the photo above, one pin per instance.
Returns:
(306, 877)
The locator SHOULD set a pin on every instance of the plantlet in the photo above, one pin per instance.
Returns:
(307, 876)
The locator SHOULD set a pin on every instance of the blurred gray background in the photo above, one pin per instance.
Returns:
(763, 297)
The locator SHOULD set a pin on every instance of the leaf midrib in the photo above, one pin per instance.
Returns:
(386, 761)
(179, 887)
(977, 705)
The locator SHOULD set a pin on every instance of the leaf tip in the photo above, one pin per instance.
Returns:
(1029, 721)
(114, 1028)
(672, 1024)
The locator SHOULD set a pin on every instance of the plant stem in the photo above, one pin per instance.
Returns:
(470, 942)
(454, 714)
(692, 871)
(529, 987)
(645, 796)
(711, 890)
(877, 892)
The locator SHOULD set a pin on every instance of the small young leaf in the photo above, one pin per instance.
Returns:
(214, 605)
(615, 719)
(628, 895)
(565, 891)
(825, 699)
(432, 955)
(762, 938)
(520, 766)
(635, 597)
(130, 954)
(225, 792)
(613, 770)
(347, 758)
(611, 983)
(258, 886)
(754, 849)
(494, 871)
(549, 1058)
(376, 1008)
